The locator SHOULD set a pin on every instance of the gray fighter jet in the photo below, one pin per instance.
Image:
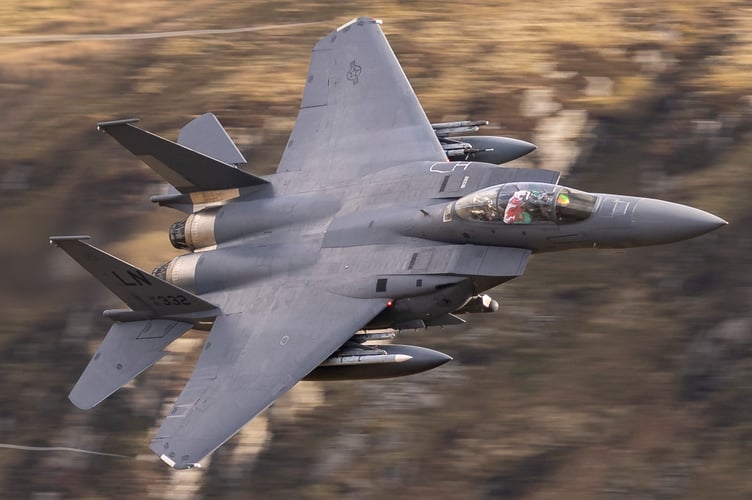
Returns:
(366, 226)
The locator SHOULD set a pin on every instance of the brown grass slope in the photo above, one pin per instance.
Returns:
(605, 375)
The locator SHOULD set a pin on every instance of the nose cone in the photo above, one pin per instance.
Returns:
(656, 221)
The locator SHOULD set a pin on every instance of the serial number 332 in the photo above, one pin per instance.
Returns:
(169, 300)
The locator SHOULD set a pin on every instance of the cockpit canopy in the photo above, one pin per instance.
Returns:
(526, 203)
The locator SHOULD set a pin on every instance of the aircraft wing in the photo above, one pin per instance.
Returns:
(250, 359)
(359, 113)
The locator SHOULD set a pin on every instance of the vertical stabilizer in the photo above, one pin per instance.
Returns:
(185, 168)
(206, 135)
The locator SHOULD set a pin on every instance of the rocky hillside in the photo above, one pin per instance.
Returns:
(606, 374)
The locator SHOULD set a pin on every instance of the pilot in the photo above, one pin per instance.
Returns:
(485, 210)
(515, 212)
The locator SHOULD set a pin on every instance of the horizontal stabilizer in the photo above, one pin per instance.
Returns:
(188, 170)
(127, 350)
(137, 288)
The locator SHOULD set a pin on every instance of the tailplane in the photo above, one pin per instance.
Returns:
(188, 169)
(147, 295)
(160, 313)
(128, 349)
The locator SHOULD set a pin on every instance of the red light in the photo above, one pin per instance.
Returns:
(389, 303)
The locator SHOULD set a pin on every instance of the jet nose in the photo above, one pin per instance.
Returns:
(657, 221)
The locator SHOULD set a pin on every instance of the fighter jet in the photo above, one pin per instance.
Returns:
(366, 228)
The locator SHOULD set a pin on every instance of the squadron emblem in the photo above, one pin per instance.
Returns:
(354, 72)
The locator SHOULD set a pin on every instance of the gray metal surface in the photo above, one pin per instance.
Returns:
(251, 358)
(365, 225)
(207, 136)
(137, 288)
(387, 361)
(359, 113)
(127, 350)
(185, 169)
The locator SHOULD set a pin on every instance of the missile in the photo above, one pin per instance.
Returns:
(366, 337)
(368, 359)
(452, 128)
(372, 362)
(484, 148)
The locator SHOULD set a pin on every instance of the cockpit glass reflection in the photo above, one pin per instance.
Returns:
(526, 203)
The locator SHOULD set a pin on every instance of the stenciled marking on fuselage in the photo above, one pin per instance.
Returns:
(137, 278)
(443, 167)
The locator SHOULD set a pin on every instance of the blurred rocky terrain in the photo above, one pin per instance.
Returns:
(606, 374)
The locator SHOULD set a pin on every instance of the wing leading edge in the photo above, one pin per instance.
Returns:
(359, 113)
(249, 360)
